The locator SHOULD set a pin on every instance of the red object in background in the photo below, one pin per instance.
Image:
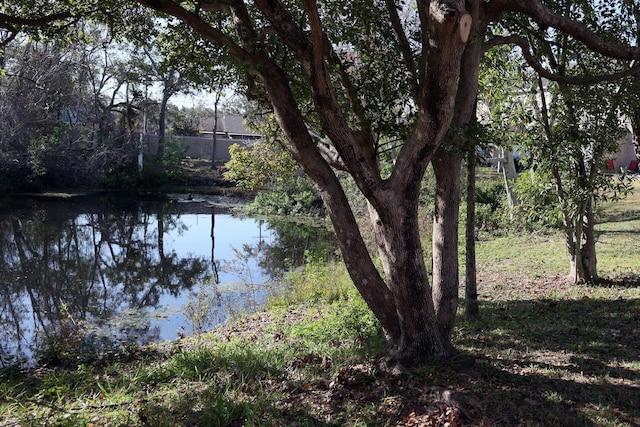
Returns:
(610, 165)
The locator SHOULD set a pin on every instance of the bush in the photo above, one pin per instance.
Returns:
(492, 214)
(490, 193)
(260, 164)
(120, 179)
(538, 206)
(295, 197)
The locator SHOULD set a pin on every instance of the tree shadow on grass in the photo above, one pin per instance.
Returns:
(620, 216)
(627, 281)
(547, 362)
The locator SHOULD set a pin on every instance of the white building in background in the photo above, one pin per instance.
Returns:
(625, 155)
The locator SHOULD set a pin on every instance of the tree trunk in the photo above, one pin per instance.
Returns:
(581, 245)
(166, 94)
(400, 249)
(582, 256)
(447, 167)
(509, 174)
(471, 308)
(589, 259)
(214, 150)
(446, 277)
(575, 259)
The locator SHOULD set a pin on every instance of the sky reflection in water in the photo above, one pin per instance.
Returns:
(128, 269)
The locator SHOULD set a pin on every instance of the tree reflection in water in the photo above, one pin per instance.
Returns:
(109, 266)
(254, 272)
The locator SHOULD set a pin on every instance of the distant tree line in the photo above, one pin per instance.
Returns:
(71, 113)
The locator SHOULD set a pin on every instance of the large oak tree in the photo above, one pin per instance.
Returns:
(342, 78)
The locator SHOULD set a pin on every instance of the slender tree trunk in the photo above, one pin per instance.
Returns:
(215, 129)
(446, 278)
(589, 259)
(471, 308)
(509, 174)
(571, 232)
(581, 247)
(166, 94)
(574, 254)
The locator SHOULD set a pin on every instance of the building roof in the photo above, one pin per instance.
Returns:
(229, 124)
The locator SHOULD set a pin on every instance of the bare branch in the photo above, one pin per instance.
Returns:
(403, 42)
(331, 156)
(12, 33)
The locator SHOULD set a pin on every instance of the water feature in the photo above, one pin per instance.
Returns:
(131, 270)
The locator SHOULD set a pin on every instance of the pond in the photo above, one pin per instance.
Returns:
(103, 272)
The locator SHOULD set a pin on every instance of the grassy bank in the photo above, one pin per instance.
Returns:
(545, 352)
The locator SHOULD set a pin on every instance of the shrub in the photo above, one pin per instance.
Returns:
(492, 214)
(538, 206)
(295, 197)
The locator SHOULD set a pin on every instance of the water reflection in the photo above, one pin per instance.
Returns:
(143, 270)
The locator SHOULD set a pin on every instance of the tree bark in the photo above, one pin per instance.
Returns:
(447, 166)
(510, 175)
(400, 249)
(446, 278)
(589, 258)
(471, 308)
(581, 245)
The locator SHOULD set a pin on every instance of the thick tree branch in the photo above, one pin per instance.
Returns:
(287, 29)
(312, 55)
(538, 12)
(200, 26)
(12, 24)
(33, 22)
(437, 94)
(244, 25)
(423, 16)
(543, 72)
